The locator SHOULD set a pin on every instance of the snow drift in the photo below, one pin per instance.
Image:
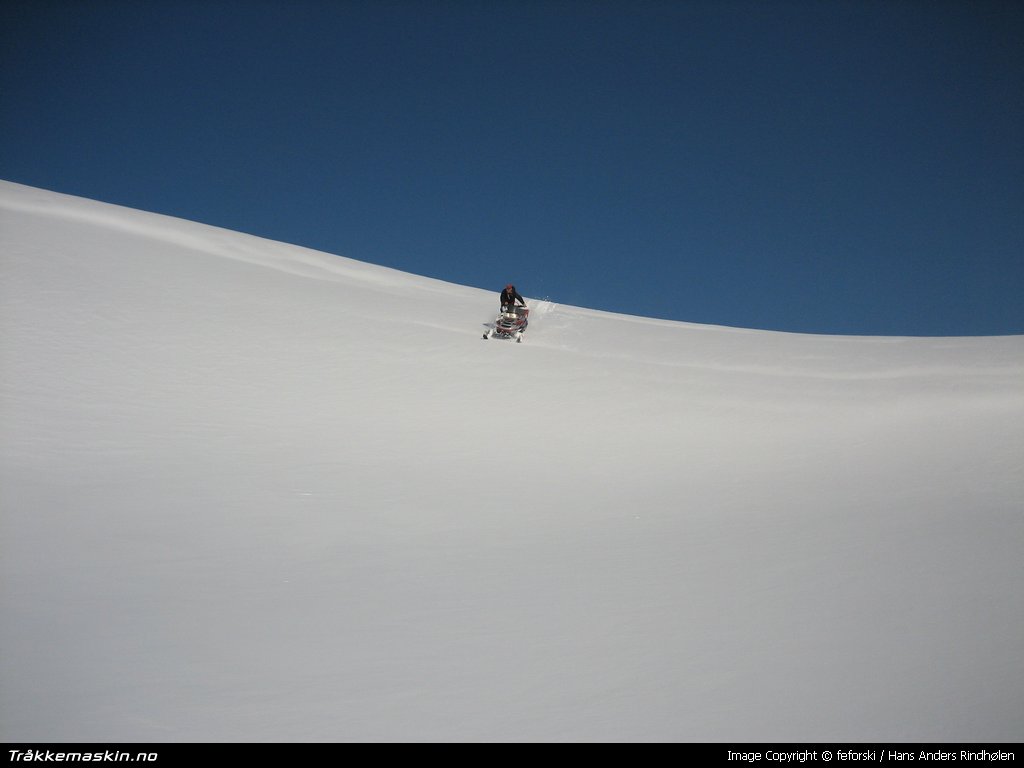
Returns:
(252, 492)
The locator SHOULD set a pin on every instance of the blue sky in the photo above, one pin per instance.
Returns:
(824, 167)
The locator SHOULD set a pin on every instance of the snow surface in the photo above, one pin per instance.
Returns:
(253, 492)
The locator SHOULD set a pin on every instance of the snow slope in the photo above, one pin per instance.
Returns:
(252, 492)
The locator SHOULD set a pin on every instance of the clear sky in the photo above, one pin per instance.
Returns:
(825, 167)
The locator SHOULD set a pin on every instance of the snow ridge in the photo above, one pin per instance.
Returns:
(252, 492)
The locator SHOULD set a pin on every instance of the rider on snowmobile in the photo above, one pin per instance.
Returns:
(509, 297)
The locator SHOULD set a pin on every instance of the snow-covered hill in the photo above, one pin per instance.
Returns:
(252, 492)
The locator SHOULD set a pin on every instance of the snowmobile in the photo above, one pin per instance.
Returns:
(510, 324)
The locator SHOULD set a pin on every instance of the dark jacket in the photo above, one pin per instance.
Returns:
(510, 296)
